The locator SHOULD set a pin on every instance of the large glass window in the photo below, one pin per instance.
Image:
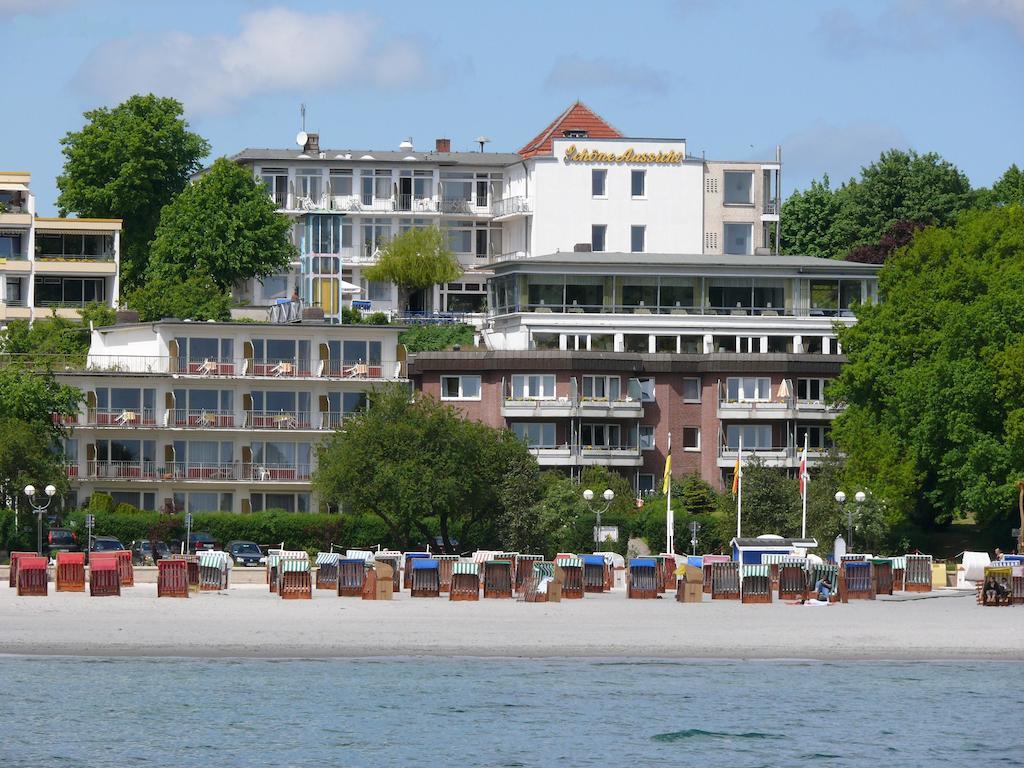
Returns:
(601, 436)
(74, 291)
(748, 388)
(602, 388)
(536, 434)
(309, 184)
(341, 182)
(546, 290)
(10, 246)
(74, 246)
(638, 183)
(639, 292)
(597, 236)
(739, 238)
(739, 188)
(755, 437)
(598, 182)
(460, 387)
(677, 293)
(533, 387)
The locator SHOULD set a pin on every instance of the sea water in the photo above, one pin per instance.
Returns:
(506, 712)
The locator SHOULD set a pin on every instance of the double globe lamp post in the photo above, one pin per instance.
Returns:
(609, 496)
(860, 497)
(40, 507)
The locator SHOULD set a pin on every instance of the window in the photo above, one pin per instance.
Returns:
(423, 185)
(691, 438)
(811, 390)
(536, 434)
(601, 436)
(646, 437)
(646, 389)
(739, 188)
(10, 246)
(599, 182)
(308, 184)
(276, 182)
(341, 182)
(74, 246)
(275, 287)
(638, 183)
(287, 502)
(74, 291)
(636, 238)
(748, 388)
(645, 483)
(691, 390)
(460, 387)
(755, 437)
(602, 388)
(597, 237)
(818, 437)
(738, 238)
(533, 387)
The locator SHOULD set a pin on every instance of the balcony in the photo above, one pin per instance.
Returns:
(200, 418)
(773, 456)
(120, 418)
(269, 473)
(276, 368)
(278, 420)
(587, 456)
(122, 470)
(332, 420)
(212, 472)
(219, 472)
(413, 204)
(511, 207)
(571, 404)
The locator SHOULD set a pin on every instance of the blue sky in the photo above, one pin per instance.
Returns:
(834, 83)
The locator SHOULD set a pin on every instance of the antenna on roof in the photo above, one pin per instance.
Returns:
(481, 140)
(302, 111)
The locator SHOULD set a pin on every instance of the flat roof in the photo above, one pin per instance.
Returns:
(334, 156)
(633, 260)
(318, 324)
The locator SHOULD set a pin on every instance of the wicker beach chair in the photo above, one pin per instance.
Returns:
(792, 579)
(294, 581)
(595, 573)
(1003, 574)
(497, 579)
(125, 570)
(70, 572)
(524, 569)
(827, 571)
(572, 567)
(899, 572)
(445, 564)
(394, 559)
(12, 574)
(407, 567)
(32, 576)
(536, 584)
(327, 570)
(755, 583)
(643, 579)
(214, 570)
(273, 560)
(104, 578)
(351, 576)
(856, 576)
(668, 565)
(774, 561)
(918, 574)
(425, 580)
(881, 575)
(725, 581)
(465, 581)
(172, 578)
(706, 562)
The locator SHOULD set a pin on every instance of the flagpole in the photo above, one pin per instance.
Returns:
(670, 522)
(739, 489)
(803, 489)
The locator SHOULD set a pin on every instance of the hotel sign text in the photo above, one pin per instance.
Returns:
(574, 155)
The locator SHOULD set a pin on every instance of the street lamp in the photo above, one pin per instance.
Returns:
(860, 497)
(609, 496)
(30, 491)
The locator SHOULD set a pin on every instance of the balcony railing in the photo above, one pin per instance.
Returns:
(511, 205)
(770, 208)
(121, 417)
(278, 420)
(332, 419)
(71, 470)
(278, 472)
(214, 472)
(74, 256)
(124, 470)
(285, 367)
(200, 418)
(354, 369)
(16, 257)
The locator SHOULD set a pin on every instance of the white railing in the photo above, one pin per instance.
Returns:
(277, 420)
(200, 418)
(121, 417)
(510, 205)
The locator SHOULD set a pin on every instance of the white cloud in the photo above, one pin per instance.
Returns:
(1010, 12)
(36, 7)
(578, 74)
(275, 50)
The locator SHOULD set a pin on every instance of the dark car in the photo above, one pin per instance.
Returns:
(142, 553)
(199, 540)
(105, 544)
(60, 540)
(246, 553)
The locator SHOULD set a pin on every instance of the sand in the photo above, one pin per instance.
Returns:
(247, 621)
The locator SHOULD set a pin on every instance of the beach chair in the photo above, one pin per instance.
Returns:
(643, 575)
(829, 572)
(12, 575)
(858, 581)
(465, 581)
(104, 577)
(214, 570)
(1017, 580)
(172, 578)
(668, 564)
(524, 569)
(351, 576)
(918, 574)
(444, 570)
(407, 568)
(725, 581)
(294, 581)
(595, 573)
(1003, 574)
(881, 575)
(572, 567)
(125, 570)
(774, 560)
(425, 581)
(327, 570)
(690, 585)
(899, 570)
(394, 559)
(379, 584)
(755, 583)
(537, 581)
(792, 579)
(273, 560)
(32, 575)
(497, 579)
(70, 572)
(706, 562)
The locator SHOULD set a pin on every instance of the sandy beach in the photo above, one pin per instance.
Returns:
(246, 621)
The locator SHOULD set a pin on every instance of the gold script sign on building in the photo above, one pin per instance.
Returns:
(575, 155)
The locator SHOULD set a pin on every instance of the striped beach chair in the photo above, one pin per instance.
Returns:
(214, 570)
(425, 580)
(899, 572)
(755, 583)
(273, 560)
(524, 568)
(774, 560)
(918, 574)
(537, 584)
(881, 575)
(497, 579)
(465, 581)
(595, 573)
(445, 563)
(172, 578)
(104, 578)
(792, 579)
(327, 570)
(856, 582)
(827, 571)
(32, 576)
(351, 576)
(294, 581)
(725, 580)
(643, 579)
(706, 562)
(1017, 579)
(70, 572)
(572, 567)
(394, 559)
(407, 567)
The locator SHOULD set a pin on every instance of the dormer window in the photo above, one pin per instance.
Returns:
(574, 134)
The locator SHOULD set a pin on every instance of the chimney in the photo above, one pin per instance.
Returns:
(443, 145)
(312, 143)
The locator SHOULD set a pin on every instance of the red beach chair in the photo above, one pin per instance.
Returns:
(32, 576)
(171, 578)
(70, 575)
(104, 580)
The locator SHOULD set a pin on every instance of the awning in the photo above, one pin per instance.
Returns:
(348, 288)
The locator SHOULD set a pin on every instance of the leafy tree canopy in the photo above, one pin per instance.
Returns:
(224, 225)
(435, 338)
(197, 297)
(31, 397)
(934, 423)
(411, 462)
(128, 162)
(771, 501)
(27, 457)
(54, 340)
(415, 259)
(1008, 190)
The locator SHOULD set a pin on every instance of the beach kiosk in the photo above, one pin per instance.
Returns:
(747, 551)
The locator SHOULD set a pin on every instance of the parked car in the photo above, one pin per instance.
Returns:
(105, 544)
(142, 553)
(60, 540)
(246, 553)
(200, 540)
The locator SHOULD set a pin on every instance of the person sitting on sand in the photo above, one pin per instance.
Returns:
(823, 589)
(990, 590)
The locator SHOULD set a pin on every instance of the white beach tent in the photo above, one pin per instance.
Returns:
(974, 564)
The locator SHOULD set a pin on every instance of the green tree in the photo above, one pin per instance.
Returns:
(27, 457)
(424, 470)
(32, 397)
(692, 495)
(1008, 190)
(414, 260)
(933, 386)
(128, 162)
(771, 502)
(435, 338)
(225, 226)
(197, 297)
(807, 219)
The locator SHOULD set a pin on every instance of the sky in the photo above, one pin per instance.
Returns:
(834, 83)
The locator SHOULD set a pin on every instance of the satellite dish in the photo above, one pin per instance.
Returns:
(301, 138)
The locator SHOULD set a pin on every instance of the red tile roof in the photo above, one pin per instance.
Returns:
(578, 117)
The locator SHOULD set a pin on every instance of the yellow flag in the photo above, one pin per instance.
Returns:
(736, 477)
(667, 482)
